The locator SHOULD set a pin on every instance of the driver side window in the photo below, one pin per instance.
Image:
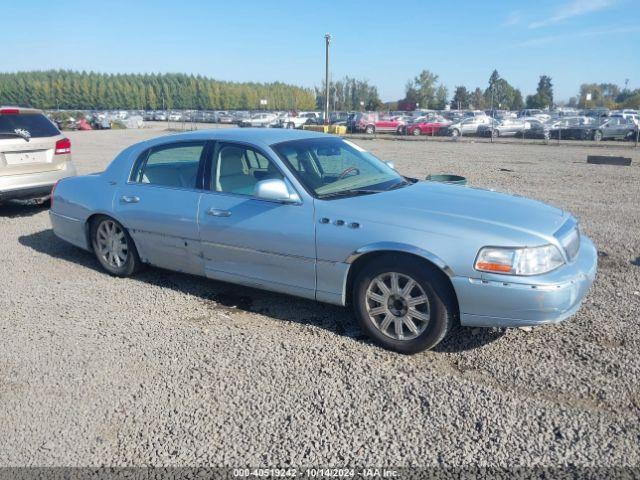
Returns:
(237, 168)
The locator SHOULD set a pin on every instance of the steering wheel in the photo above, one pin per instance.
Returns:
(347, 171)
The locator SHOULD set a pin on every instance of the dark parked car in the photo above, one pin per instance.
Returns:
(573, 128)
(536, 129)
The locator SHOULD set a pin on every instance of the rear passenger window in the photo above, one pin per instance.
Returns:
(173, 165)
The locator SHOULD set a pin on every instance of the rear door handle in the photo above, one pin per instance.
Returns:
(129, 199)
(214, 212)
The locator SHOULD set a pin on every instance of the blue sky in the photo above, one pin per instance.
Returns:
(573, 41)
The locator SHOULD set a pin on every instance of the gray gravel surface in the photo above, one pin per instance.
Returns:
(171, 369)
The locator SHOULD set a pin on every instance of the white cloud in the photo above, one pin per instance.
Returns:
(575, 8)
(538, 41)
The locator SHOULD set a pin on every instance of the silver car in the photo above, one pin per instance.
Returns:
(615, 127)
(319, 217)
(469, 125)
(34, 155)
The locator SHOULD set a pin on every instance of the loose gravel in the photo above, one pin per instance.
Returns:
(170, 369)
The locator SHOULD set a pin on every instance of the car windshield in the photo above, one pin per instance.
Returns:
(330, 166)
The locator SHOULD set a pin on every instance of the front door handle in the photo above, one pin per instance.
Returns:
(218, 213)
(129, 199)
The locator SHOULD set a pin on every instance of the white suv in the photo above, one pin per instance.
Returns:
(34, 155)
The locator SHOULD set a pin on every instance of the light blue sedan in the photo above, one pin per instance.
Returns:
(319, 217)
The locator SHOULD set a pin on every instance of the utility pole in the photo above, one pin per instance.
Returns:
(327, 39)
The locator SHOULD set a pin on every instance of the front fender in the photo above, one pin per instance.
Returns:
(333, 276)
(400, 247)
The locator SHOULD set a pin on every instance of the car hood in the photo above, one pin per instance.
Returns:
(424, 205)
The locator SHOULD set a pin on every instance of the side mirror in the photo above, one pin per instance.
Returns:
(275, 190)
(390, 164)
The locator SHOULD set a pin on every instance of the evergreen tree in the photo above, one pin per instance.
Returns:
(460, 98)
(89, 90)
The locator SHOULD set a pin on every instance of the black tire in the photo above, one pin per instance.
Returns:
(597, 136)
(455, 133)
(370, 130)
(131, 264)
(416, 132)
(442, 303)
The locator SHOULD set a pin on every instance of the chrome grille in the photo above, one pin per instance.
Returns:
(569, 237)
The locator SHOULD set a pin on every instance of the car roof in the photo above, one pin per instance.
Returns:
(258, 136)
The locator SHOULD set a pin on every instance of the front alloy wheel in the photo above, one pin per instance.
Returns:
(403, 304)
(397, 306)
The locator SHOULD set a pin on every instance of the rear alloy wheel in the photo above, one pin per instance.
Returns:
(114, 248)
(370, 130)
(416, 132)
(495, 133)
(597, 135)
(403, 305)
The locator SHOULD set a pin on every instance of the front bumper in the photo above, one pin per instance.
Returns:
(528, 301)
(33, 185)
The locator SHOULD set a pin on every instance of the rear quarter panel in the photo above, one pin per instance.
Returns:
(75, 199)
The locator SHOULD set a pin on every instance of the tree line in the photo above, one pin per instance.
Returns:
(607, 95)
(66, 89)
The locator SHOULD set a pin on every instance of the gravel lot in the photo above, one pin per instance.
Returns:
(170, 369)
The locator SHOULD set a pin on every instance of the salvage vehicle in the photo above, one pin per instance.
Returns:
(431, 126)
(508, 127)
(259, 120)
(371, 122)
(615, 128)
(536, 128)
(292, 121)
(317, 216)
(225, 117)
(572, 128)
(468, 126)
(34, 154)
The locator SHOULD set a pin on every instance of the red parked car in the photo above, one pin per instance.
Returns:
(372, 123)
(431, 126)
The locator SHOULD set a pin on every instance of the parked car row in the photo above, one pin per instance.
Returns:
(530, 123)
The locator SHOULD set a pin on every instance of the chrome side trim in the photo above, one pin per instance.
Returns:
(400, 247)
(64, 216)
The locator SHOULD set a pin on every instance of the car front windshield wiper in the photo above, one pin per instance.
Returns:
(24, 136)
(352, 192)
(401, 184)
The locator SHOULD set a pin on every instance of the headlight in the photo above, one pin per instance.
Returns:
(519, 261)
